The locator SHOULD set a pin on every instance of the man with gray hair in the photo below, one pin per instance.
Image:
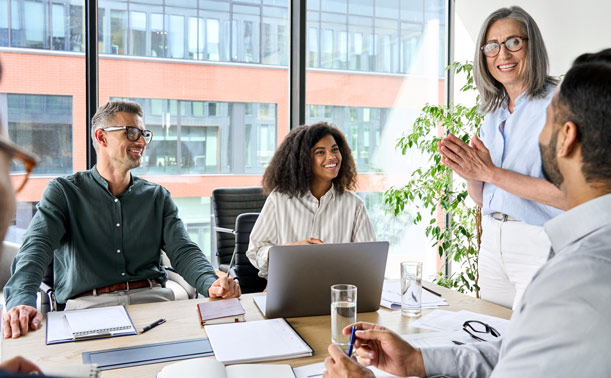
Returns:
(104, 230)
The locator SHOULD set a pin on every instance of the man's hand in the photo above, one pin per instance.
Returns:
(224, 287)
(339, 365)
(384, 349)
(19, 320)
(19, 365)
(307, 241)
(471, 163)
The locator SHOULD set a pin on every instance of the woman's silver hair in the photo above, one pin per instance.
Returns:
(106, 115)
(492, 93)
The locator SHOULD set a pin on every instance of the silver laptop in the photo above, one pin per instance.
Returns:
(300, 277)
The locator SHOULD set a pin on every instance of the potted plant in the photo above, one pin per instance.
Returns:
(457, 237)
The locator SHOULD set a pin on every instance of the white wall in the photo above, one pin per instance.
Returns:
(569, 27)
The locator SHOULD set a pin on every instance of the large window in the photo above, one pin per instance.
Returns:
(212, 77)
(389, 43)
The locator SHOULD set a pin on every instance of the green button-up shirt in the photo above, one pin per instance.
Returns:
(96, 239)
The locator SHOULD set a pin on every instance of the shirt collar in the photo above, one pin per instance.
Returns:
(326, 197)
(578, 222)
(104, 184)
(516, 103)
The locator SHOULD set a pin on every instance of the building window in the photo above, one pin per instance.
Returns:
(42, 124)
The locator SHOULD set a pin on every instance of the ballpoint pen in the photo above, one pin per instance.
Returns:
(351, 341)
(153, 325)
(431, 291)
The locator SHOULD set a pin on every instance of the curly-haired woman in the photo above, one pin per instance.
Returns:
(309, 182)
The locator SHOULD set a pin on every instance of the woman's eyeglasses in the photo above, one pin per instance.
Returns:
(22, 163)
(132, 133)
(513, 44)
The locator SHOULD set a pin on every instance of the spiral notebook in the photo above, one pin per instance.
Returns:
(87, 324)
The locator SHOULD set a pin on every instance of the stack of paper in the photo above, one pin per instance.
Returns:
(441, 320)
(317, 370)
(391, 297)
(262, 340)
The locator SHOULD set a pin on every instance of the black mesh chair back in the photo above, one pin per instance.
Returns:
(228, 204)
(242, 269)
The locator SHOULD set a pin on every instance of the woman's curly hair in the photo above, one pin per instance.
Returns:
(290, 171)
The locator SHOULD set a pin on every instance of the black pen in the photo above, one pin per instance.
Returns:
(153, 325)
(431, 291)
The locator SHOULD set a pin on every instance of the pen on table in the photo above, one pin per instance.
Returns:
(431, 291)
(153, 325)
(351, 341)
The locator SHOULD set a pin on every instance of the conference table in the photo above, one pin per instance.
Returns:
(183, 323)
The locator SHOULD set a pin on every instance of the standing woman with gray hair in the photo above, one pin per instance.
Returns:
(503, 168)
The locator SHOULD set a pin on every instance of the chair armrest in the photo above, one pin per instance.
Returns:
(50, 293)
(173, 276)
(225, 230)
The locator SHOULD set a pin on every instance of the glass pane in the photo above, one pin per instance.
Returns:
(393, 72)
(42, 96)
(215, 96)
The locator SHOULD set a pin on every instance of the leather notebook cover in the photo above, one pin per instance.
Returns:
(221, 311)
(148, 354)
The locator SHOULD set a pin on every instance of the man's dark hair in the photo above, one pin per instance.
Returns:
(290, 171)
(584, 98)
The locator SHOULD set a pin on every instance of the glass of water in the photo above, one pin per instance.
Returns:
(343, 312)
(411, 288)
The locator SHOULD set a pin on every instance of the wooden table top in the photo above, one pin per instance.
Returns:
(183, 323)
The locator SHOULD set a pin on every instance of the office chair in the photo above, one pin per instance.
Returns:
(235, 213)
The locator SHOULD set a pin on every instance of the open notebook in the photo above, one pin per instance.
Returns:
(262, 340)
(91, 323)
(210, 368)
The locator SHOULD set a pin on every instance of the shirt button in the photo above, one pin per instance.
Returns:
(116, 200)
(123, 273)
(118, 224)
(118, 251)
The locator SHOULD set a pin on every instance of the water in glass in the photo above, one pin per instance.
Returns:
(411, 295)
(342, 315)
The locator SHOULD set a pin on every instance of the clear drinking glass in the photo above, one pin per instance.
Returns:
(411, 288)
(343, 312)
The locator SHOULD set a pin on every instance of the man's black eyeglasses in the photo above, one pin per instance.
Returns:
(474, 327)
(133, 133)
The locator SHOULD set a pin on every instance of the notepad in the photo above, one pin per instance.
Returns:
(75, 325)
(262, 340)
(215, 369)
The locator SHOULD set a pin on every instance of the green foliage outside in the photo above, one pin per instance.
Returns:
(435, 187)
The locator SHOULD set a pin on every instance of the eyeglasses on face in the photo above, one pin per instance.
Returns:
(513, 44)
(22, 163)
(133, 133)
(474, 327)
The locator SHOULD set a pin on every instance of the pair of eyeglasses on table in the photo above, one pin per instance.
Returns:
(475, 328)
(22, 163)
